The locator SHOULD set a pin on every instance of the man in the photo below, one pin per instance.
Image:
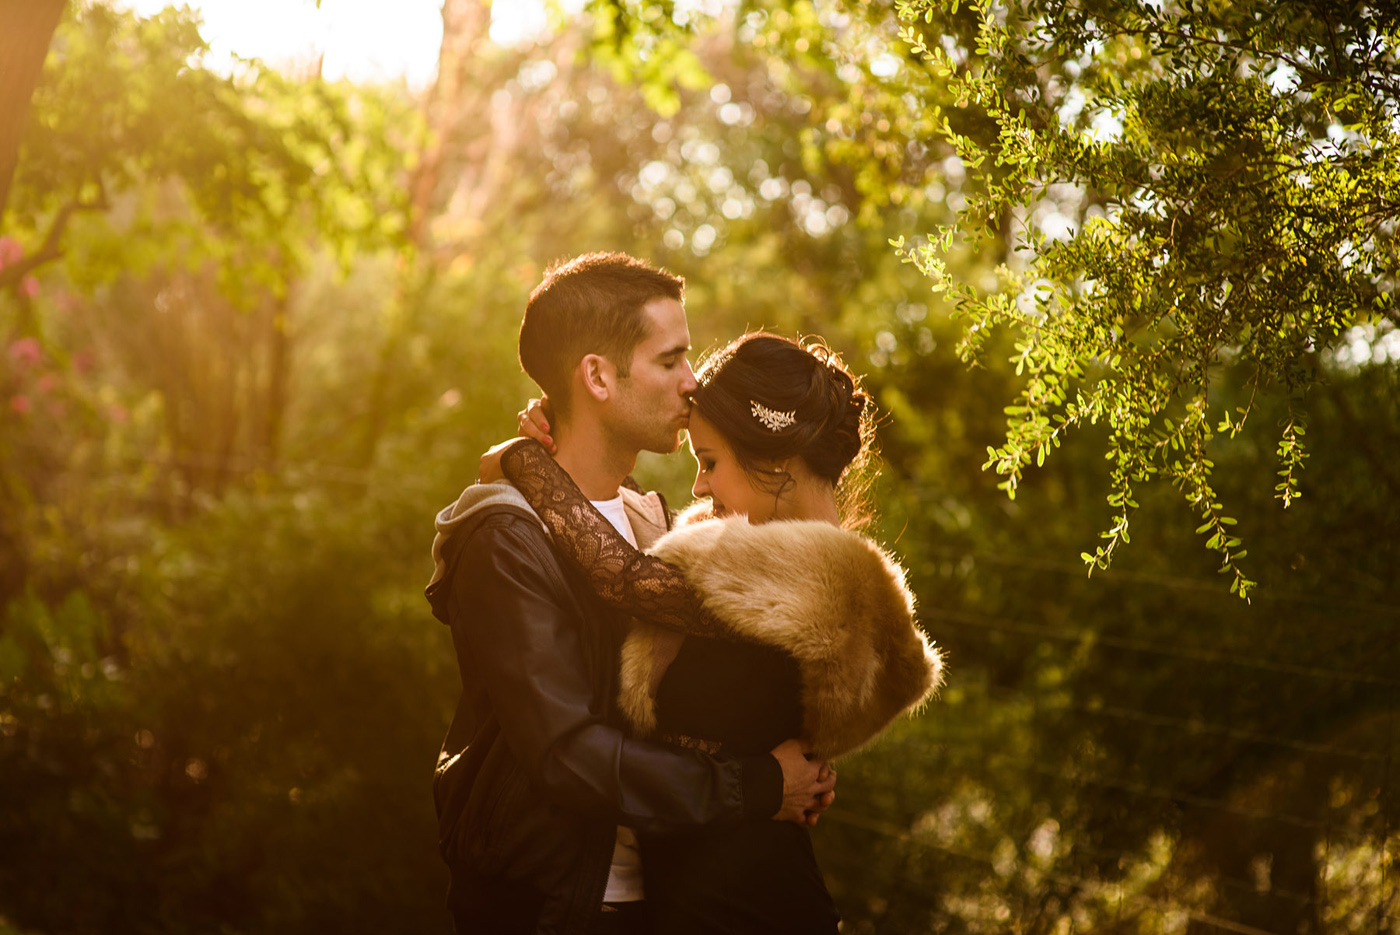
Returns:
(537, 786)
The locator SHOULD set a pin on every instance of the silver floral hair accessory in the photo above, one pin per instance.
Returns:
(775, 421)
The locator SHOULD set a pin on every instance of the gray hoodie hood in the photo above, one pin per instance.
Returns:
(474, 500)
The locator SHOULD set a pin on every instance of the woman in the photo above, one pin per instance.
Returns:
(797, 628)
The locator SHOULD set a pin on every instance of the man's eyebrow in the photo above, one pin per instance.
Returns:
(680, 350)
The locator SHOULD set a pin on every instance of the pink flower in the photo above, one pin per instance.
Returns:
(118, 414)
(10, 251)
(29, 286)
(47, 383)
(26, 351)
(84, 360)
(19, 404)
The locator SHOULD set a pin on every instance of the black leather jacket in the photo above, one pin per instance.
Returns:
(536, 772)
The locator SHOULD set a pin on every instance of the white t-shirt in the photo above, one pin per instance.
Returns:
(625, 876)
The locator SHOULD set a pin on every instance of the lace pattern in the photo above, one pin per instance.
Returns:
(687, 742)
(626, 579)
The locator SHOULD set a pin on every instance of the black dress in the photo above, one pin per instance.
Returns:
(721, 694)
(756, 877)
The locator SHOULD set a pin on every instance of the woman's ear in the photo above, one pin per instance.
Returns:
(597, 376)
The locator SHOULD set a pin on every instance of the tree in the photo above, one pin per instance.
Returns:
(1176, 189)
(199, 198)
(1191, 186)
(26, 26)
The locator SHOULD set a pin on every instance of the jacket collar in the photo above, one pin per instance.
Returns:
(647, 514)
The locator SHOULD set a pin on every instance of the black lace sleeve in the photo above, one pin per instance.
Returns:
(629, 580)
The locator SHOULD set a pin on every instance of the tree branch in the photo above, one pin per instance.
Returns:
(1317, 76)
(50, 250)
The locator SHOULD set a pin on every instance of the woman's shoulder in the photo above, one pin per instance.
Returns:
(806, 575)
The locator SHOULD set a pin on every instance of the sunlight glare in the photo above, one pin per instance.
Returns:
(358, 40)
(514, 21)
(517, 21)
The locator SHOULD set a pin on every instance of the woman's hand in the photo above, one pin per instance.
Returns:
(490, 470)
(810, 815)
(534, 423)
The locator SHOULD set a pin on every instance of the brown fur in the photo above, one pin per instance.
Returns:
(830, 597)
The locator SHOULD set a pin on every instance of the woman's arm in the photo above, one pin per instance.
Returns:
(625, 578)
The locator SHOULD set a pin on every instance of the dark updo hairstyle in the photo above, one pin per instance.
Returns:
(750, 385)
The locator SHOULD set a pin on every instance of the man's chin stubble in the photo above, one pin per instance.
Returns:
(671, 445)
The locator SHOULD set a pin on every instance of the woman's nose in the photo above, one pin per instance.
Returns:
(701, 488)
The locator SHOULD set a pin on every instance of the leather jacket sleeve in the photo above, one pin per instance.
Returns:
(512, 607)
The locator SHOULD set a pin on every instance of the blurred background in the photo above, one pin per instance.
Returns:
(261, 272)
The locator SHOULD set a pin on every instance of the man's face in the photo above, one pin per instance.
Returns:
(653, 401)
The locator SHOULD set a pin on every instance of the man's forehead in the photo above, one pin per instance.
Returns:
(666, 323)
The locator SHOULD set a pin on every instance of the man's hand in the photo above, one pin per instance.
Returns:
(534, 423)
(808, 785)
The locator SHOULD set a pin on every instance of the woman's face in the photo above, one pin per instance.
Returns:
(721, 478)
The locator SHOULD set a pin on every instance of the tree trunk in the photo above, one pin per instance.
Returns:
(278, 363)
(466, 26)
(26, 28)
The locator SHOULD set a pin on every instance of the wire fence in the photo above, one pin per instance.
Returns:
(1326, 794)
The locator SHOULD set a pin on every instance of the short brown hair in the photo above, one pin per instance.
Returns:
(591, 304)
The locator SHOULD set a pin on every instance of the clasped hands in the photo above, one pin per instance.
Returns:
(809, 785)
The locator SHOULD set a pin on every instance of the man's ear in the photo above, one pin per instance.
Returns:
(597, 375)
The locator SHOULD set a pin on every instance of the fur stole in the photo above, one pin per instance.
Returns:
(829, 597)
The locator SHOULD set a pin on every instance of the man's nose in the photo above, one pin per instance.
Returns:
(688, 383)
